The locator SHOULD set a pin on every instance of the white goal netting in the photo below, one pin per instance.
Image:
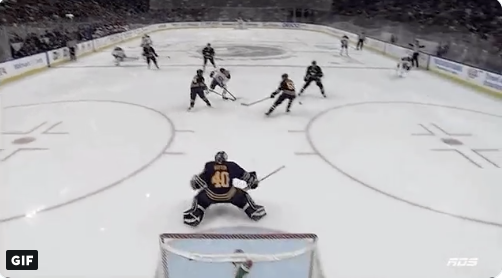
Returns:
(213, 255)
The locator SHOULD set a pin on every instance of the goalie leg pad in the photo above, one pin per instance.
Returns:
(244, 201)
(194, 215)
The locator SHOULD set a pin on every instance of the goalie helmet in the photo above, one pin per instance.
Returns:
(221, 157)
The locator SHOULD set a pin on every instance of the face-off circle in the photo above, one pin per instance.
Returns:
(60, 153)
(440, 158)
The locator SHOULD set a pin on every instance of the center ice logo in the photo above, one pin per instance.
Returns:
(249, 52)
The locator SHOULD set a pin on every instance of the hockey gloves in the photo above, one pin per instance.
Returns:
(197, 183)
(253, 180)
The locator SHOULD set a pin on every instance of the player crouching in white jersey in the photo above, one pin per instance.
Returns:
(403, 66)
(119, 54)
(220, 78)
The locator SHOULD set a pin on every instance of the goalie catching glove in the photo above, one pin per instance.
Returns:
(252, 180)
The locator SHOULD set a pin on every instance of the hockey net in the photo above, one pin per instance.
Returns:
(212, 255)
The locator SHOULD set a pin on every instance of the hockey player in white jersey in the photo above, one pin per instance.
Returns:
(146, 41)
(344, 45)
(220, 77)
(404, 66)
(119, 54)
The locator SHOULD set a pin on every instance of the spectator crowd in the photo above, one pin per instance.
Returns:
(35, 26)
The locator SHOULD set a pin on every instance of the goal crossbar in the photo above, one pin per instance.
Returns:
(237, 257)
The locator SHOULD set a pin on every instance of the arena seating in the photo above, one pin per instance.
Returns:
(467, 31)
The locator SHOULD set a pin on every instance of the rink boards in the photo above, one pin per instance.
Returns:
(474, 77)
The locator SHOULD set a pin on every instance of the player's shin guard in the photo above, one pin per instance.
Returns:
(206, 101)
(253, 211)
(272, 108)
(155, 62)
(288, 108)
(319, 84)
(194, 215)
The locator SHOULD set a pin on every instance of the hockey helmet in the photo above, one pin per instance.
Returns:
(285, 76)
(221, 157)
(314, 63)
(200, 72)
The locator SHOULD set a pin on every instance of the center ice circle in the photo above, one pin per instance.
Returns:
(384, 147)
(95, 146)
(247, 51)
(229, 51)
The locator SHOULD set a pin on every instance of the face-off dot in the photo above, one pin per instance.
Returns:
(452, 141)
(24, 140)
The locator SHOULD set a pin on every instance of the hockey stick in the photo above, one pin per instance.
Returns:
(214, 92)
(267, 176)
(234, 98)
(221, 95)
(255, 102)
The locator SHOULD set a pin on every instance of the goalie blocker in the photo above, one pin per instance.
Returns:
(216, 186)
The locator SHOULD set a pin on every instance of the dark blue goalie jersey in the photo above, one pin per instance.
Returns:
(219, 179)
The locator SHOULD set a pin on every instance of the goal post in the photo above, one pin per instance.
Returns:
(213, 254)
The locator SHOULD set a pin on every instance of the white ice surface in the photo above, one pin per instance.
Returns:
(363, 233)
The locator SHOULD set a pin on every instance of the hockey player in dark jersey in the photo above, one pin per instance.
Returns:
(313, 74)
(150, 55)
(198, 88)
(287, 90)
(215, 185)
(208, 54)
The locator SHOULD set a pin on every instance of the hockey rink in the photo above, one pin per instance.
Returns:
(395, 175)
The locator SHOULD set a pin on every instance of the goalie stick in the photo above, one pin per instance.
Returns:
(267, 176)
(262, 179)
